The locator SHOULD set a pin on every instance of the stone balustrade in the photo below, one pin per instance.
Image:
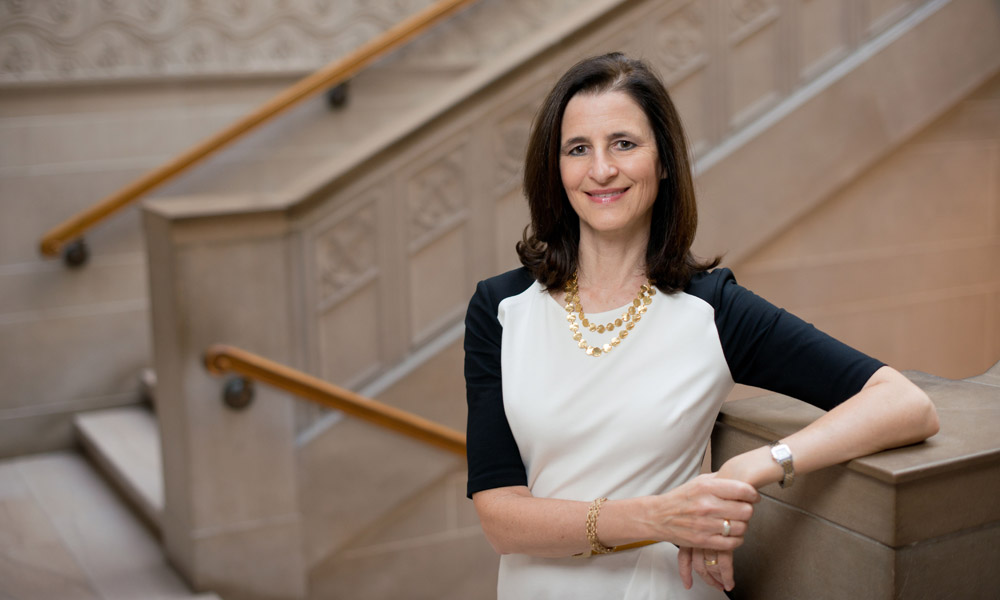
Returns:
(915, 522)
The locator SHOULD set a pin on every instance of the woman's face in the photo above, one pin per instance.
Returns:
(609, 164)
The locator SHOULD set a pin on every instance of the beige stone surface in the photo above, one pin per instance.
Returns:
(348, 338)
(231, 494)
(439, 285)
(955, 566)
(33, 204)
(36, 290)
(125, 443)
(66, 535)
(429, 547)
(255, 560)
(912, 240)
(34, 560)
(456, 568)
(70, 338)
(755, 80)
(824, 34)
(354, 475)
(435, 390)
(791, 554)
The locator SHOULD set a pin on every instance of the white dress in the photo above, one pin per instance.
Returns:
(633, 422)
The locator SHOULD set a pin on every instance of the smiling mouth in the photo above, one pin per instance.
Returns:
(607, 196)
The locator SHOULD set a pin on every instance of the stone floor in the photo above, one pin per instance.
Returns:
(65, 535)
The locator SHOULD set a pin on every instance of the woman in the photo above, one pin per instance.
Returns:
(595, 372)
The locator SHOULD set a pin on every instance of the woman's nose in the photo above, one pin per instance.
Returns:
(603, 168)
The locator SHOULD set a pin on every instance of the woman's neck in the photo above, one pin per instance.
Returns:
(610, 271)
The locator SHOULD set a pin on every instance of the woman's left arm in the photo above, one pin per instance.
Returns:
(888, 412)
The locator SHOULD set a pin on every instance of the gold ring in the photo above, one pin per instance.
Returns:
(727, 528)
(712, 563)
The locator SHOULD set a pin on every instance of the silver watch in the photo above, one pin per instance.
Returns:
(783, 456)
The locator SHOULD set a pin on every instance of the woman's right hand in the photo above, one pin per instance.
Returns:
(694, 514)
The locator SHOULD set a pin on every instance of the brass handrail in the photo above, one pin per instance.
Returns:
(220, 359)
(334, 73)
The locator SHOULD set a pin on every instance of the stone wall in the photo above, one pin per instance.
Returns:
(92, 95)
(904, 261)
(87, 41)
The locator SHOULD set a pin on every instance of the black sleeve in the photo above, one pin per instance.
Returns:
(770, 348)
(494, 459)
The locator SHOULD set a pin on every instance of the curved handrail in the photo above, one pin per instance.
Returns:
(334, 73)
(220, 359)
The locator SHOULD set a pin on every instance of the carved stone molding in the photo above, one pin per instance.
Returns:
(681, 39)
(483, 30)
(345, 254)
(435, 197)
(745, 12)
(509, 144)
(111, 40)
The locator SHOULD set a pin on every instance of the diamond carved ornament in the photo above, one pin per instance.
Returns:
(435, 196)
(345, 253)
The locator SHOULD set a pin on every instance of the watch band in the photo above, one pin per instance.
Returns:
(783, 456)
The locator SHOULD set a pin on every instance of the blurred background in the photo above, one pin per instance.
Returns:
(848, 170)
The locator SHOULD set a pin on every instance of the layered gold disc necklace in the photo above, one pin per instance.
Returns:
(625, 323)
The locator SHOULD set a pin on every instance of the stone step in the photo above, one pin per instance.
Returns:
(67, 535)
(125, 444)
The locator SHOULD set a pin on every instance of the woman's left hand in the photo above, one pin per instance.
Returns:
(718, 575)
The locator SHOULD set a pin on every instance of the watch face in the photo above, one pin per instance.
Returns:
(781, 452)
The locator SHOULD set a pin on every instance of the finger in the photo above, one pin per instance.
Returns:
(712, 530)
(698, 562)
(684, 566)
(732, 489)
(737, 528)
(732, 510)
(726, 570)
(705, 571)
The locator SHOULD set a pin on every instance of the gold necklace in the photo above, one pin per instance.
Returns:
(626, 322)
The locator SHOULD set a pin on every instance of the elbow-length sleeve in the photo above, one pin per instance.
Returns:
(494, 459)
(768, 347)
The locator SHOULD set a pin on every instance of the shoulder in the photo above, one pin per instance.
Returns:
(490, 292)
(508, 284)
(711, 286)
(484, 305)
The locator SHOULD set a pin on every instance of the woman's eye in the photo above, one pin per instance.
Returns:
(577, 150)
(624, 145)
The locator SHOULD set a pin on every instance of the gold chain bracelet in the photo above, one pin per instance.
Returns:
(596, 547)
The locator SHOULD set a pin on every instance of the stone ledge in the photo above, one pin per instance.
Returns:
(899, 496)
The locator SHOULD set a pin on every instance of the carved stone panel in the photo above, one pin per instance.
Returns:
(510, 141)
(680, 42)
(349, 338)
(755, 61)
(345, 254)
(481, 31)
(744, 13)
(101, 40)
(439, 288)
(435, 198)
(880, 14)
(821, 34)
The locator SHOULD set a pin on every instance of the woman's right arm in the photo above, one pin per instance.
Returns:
(690, 515)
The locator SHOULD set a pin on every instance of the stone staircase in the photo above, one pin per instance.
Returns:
(64, 535)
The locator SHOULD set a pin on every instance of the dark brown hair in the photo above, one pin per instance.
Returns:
(550, 243)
